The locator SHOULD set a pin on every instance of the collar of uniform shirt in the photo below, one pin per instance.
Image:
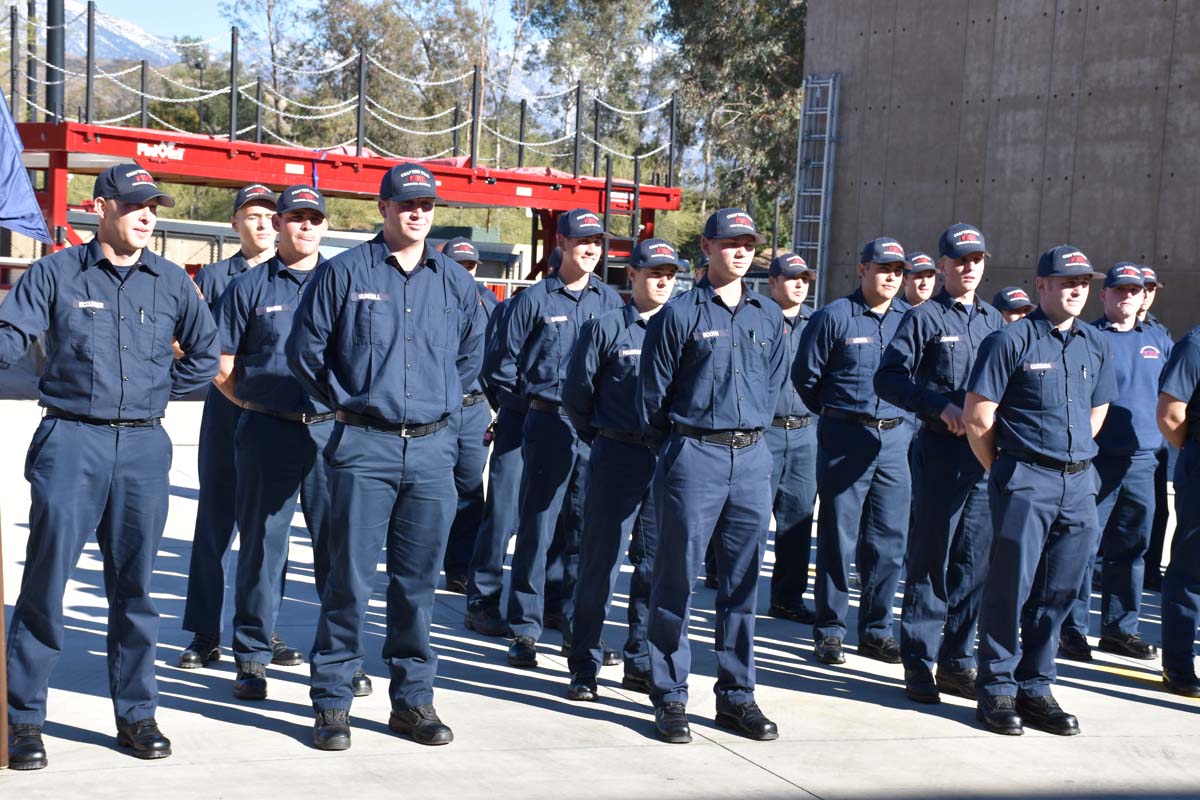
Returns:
(946, 300)
(380, 254)
(1104, 323)
(707, 293)
(93, 256)
(553, 278)
(276, 266)
(237, 264)
(859, 304)
(1043, 327)
(632, 315)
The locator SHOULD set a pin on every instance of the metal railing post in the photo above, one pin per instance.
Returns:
(578, 122)
(457, 131)
(671, 147)
(521, 134)
(89, 91)
(476, 115)
(14, 85)
(258, 96)
(637, 199)
(233, 83)
(596, 136)
(362, 102)
(145, 103)
(607, 207)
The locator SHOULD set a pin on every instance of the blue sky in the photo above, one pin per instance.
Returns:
(201, 18)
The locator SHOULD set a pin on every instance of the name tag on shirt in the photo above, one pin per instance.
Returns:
(947, 339)
(1039, 365)
(859, 339)
(356, 297)
(631, 353)
(261, 310)
(89, 304)
(702, 335)
(556, 319)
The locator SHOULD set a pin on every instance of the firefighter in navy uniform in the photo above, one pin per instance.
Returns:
(1126, 464)
(1179, 420)
(712, 367)
(792, 439)
(390, 335)
(100, 459)
(862, 462)
(925, 370)
(531, 359)
(1037, 396)
(600, 395)
(253, 208)
(471, 423)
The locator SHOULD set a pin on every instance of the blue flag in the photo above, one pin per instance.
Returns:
(19, 210)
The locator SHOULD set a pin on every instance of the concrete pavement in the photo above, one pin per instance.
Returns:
(845, 731)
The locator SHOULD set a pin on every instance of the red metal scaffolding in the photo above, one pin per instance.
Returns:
(69, 147)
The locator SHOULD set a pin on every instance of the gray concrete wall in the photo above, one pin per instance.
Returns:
(1041, 121)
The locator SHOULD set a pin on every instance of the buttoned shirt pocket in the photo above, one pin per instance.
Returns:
(374, 318)
(712, 351)
(947, 348)
(855, 354)
(88, 322)
(1040, 384)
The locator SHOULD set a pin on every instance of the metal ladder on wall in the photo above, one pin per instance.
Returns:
(815, 147)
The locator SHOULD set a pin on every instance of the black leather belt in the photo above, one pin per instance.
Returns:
(549, 406)
(1069, 467)
(401, 429)
(628, 437)
(791, 423)
(473, 399)
(734, 439)
(291, 416)
(112, 423)
(863, 419)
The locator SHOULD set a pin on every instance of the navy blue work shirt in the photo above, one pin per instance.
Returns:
(494, 338)
(1181, 378)
(213, 279)
(926, 365)
(710, 366)
(1046, 383)
(790, 404)
(840, 350)
(531, 354)
(602, 379)
(372, 340)
(254, 320)
(487, 303)
(1155, 322)
(108, 341)
(1138, 358)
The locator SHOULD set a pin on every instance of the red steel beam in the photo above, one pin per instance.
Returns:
(193, 159)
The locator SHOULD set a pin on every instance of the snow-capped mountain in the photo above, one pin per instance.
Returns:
(115, 38)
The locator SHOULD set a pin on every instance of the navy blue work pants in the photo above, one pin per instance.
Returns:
(486, 573)
(618, 491)
(1181, 584)
(214, 515)
(702, 491)
(277, 460)
(1125, 513)
(394, 495)
(1162, 511)
(470, 424)
(864, 485)
(551, 506)
(1044, 527)
(946, 561)
(794, 495)
(84, 478)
